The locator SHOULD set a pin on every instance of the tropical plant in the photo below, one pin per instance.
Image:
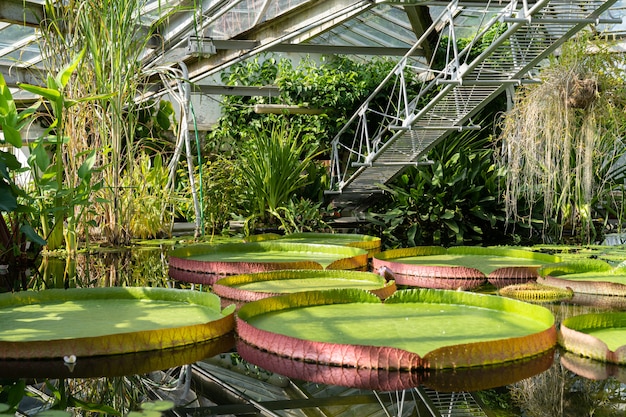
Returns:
(562, 140)
(303, 215)
(451, 202)
(104, 131)
(273, 164)
(62, 200)
(15, 229)
(146, 187)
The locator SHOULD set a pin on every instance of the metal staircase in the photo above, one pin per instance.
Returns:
(379, 142)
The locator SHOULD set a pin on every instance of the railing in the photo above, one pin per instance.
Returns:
(425, 102)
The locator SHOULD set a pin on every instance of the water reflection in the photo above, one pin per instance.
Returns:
(116, 365)
(551, 387)
(451, 380)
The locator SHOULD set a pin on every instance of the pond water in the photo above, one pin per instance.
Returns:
(214, 380)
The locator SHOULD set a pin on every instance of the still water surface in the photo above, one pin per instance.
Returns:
(217, 381)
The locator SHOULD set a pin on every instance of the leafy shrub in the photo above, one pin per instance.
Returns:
(454, 201)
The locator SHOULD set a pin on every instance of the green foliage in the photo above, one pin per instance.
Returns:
(338, 85)
(302, 215)
(451, 202)
(61, 201)
(13, 200)
(273, 164)
(145, 190)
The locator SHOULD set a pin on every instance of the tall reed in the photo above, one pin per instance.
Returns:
(115, 39)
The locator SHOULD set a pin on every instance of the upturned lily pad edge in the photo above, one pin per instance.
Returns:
(118, 343)
(389, 358)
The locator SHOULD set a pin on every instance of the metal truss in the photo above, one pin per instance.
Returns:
(419, 104)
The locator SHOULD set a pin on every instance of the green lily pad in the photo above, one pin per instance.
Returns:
(412, 329)
(204, 264)
(599, 336)
(107, 321)
(588, 276)
(370, 243)
(250, 287)
(461, 267)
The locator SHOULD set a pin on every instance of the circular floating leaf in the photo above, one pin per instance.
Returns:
(244, 288)
(106, 321)
(599, 336)
(205, 263)
(461, 267)
(412, 329)
(371, 244)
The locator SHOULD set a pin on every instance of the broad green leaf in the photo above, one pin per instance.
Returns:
(12, 136)
(64, 75)
(575, 267)
(140, 320)
(32, 235)
(85, 169)
(8, 201)
(40, 156)
(47, 93)
(354, 329)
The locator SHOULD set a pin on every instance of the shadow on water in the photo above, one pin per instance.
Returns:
(213, 378)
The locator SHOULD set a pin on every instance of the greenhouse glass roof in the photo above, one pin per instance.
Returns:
(231, 31)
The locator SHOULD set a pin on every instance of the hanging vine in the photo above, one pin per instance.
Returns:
(562, 139)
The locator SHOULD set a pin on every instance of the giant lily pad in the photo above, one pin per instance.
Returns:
(599, 336)
(244, 288)
(107, 321)
(588, 276)
(204, 264)
(412, 329)
(461, 267)
(371, 244)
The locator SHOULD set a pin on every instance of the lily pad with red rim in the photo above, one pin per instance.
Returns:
(412, 329)
(462, 267)
(243, 288)
(371, 244)
(85, 322)
(599, 336)
(204, 264)
(442, 380)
